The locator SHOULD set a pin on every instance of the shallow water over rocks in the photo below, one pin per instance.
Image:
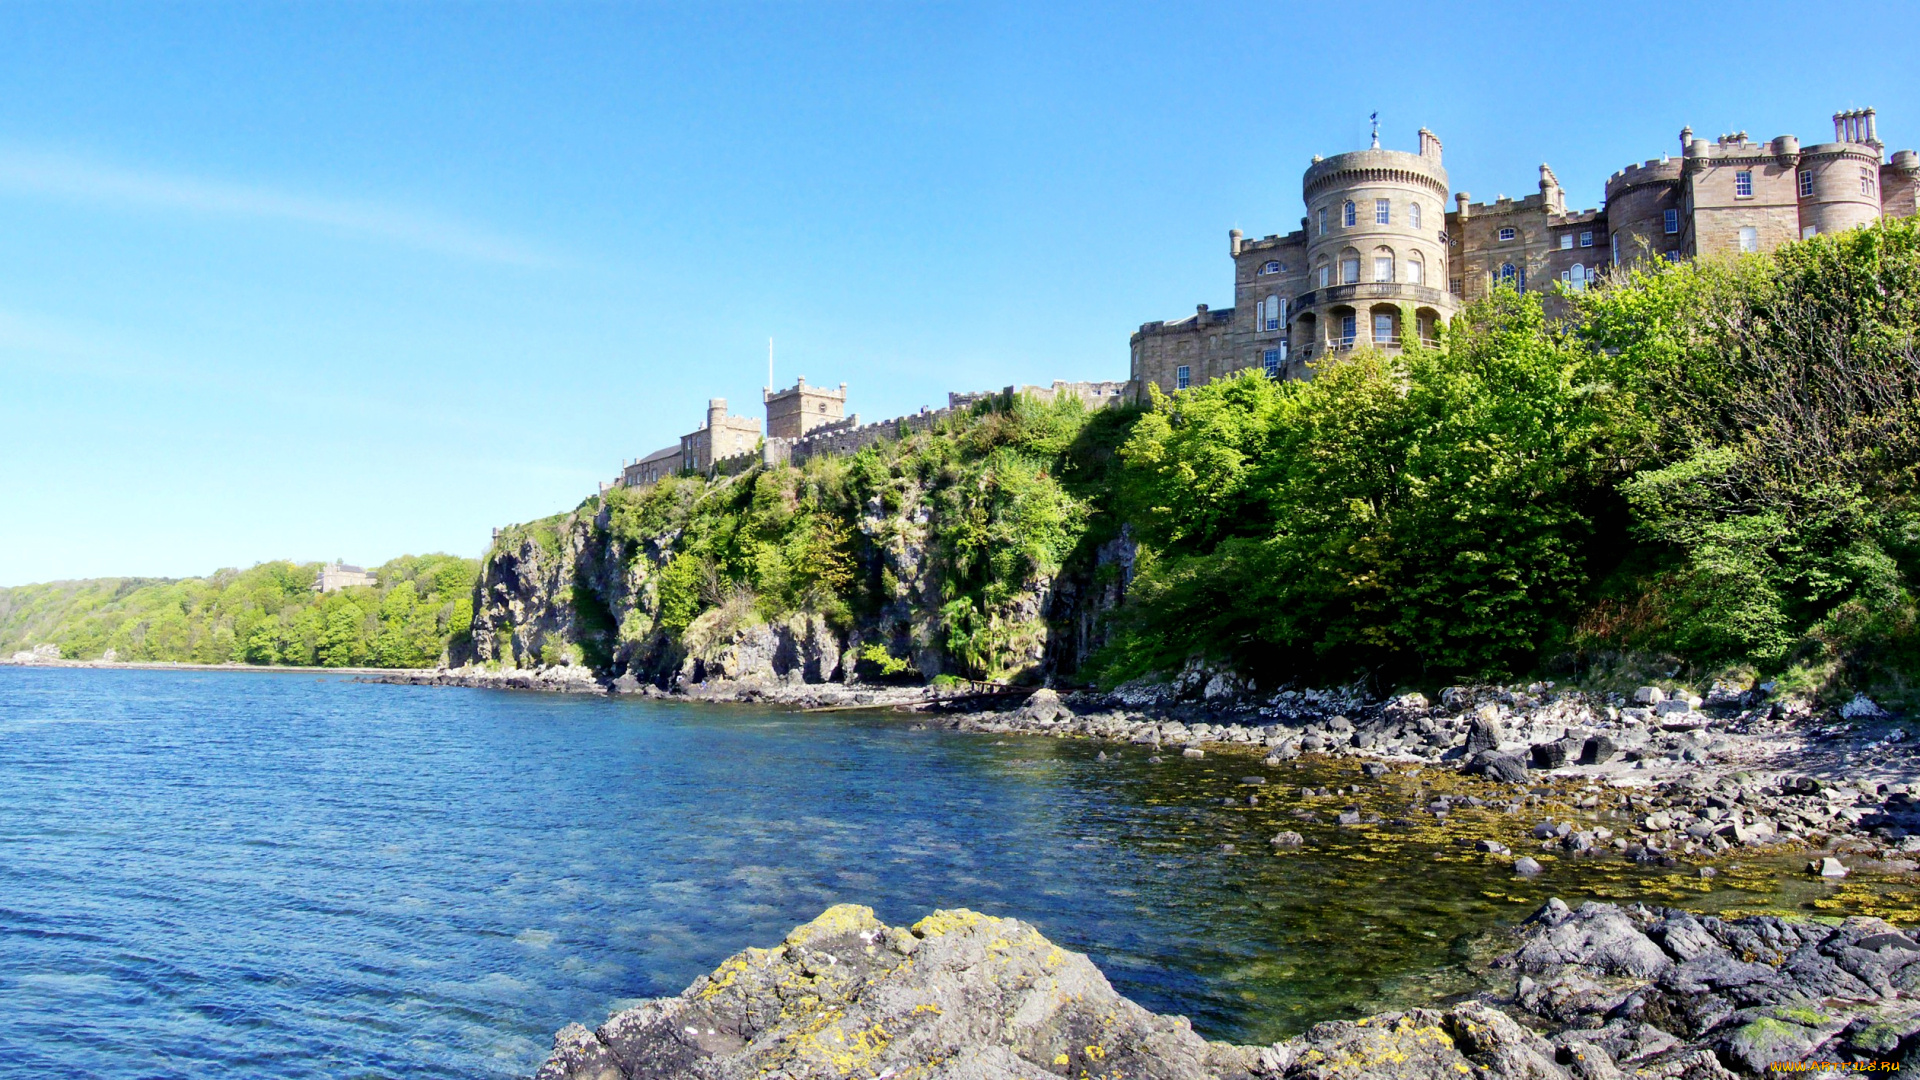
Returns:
(256, 874)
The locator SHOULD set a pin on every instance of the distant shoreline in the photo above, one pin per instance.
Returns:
(159, 665)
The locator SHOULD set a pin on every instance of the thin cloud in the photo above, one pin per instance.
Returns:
(72, 178)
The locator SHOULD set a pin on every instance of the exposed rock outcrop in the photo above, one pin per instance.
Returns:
(1603, 991)
(581, 589)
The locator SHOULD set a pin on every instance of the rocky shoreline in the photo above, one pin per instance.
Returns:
(1646, 776)
(1598, 993)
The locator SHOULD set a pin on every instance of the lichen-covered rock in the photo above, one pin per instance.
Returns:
(959, 994)
(965, 996)
(1470, 1040)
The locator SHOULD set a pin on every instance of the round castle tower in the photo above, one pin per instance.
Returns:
(1638, 199)
(1843, 175)
(1376, 257)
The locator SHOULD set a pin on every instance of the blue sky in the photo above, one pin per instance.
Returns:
(310, 281)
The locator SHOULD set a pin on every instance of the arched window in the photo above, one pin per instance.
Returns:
(1272, 266)
(1507, 274)
(1349, 266)
(1416, 269)
(1413, 214)
(1383, 264)
(1324, 271)
(1347, 216)
(1272, 314)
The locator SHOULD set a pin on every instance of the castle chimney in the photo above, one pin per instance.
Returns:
(1686, 138)
(1429, 144)
(1873, 136)
(1234, 237)
(1460, 205)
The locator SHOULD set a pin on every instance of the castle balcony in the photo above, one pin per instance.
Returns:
(1376, 290)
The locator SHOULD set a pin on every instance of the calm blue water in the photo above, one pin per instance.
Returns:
(275, 875)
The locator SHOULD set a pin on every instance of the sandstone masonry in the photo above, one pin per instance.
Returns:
(1380, 259)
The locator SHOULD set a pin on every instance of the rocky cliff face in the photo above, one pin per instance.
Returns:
(573, 591)
(1605, 992)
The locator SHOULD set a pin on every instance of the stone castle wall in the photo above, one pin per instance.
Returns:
(1344, 282)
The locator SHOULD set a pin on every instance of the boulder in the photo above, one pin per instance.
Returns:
(1597, 750)
(1506, 768)
(1649, 695)
(1862, 707)
(1042, 706)
(1549, 755)
(958, 994)
(1484, 732)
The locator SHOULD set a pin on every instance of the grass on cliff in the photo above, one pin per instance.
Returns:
(266, 614)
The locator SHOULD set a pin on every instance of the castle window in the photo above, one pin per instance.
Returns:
(1270, 267)
(1673, 256)
(1614, 243)
(1383, 264)
(1743, 184)
(1273, 313)
(1586, 238)
(1510, 276)
(1383, 329)
(1413, 214)
(1349, 329)
(1382, 212)
(1806, 184)
(1576, 278)
(1506, 234)
(1326, 275)
(1347, 215)
(1672, 219)
(1809, 233)
(1182, 377)
(1566, 241)
(1866, 181)
(1749, 238)
(1350, 267)
(1323, 221)
(1270, 360)
(1416, 270)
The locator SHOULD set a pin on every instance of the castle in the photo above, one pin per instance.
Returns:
(1380, 257)
(803, 421)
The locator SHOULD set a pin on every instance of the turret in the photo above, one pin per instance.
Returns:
(716, 411)
(1234, 238)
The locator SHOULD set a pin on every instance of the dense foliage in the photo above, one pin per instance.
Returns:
(268, 614)
(930, 537)
(1711, 463)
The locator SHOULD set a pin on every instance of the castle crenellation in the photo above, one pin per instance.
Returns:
(1387, 253)
(805, 421)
